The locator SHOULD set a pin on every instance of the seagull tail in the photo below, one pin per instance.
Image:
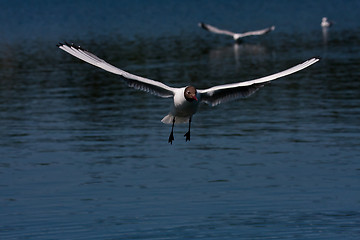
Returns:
(168, 119)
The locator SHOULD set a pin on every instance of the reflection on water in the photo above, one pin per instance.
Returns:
(325, 33)
(85, 157)
(235, 52)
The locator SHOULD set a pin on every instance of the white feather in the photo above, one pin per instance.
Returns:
(145, 84)
(219, 94)
(236, 36)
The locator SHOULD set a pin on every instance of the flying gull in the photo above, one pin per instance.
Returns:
(185, 99)
(236, 36)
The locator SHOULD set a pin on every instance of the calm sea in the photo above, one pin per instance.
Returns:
(82, 156)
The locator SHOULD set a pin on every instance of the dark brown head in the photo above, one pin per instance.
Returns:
(190, 94)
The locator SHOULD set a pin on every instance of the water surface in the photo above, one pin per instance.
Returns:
(85, 157)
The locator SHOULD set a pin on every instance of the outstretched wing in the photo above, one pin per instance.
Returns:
(223, 93)
(215, 29)
(137, 82)
(256, 33)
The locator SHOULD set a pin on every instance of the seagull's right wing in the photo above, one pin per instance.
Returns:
(215, 29)
(137, 82)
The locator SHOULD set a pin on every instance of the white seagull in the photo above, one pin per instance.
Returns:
(325, 23)
(236, 36)
(185, 99)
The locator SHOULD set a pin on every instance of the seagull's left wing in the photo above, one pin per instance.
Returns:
(228, 92)
(257, 32)
(137, 82)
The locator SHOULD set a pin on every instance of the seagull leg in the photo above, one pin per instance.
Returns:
(171, 137)
(187, 135)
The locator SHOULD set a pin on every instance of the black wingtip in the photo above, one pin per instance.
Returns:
(77, 47)
(317, 57)
(71, 45)
(202, 25)
(67, 44)
(80, 48)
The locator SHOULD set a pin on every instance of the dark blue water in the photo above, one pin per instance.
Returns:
(82, 156)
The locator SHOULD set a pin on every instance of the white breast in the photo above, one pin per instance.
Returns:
(181, 107)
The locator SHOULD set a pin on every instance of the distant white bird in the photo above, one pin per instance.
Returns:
(185, 99)
(236, 36)
(325, 23)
